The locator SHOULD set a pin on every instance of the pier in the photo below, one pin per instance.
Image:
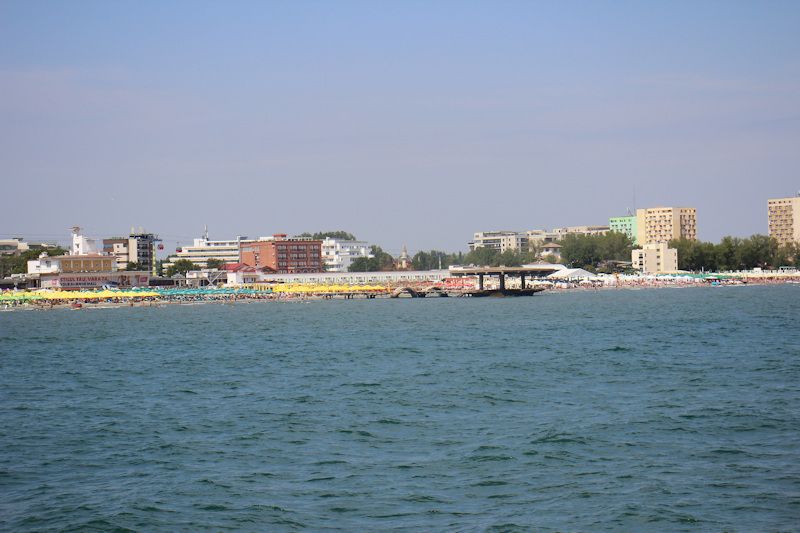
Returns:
(522, 272)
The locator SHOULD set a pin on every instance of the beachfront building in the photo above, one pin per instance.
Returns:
(282, 254)
(560, 233)
(350, 278)
(784, 219)
(82, 245)
(203, 249)
(662, 224)
(538, 237)
(117, 247)
(138, 247)
(655, 258)
(499, 240)
(81, 272)
(338, 255)
(13, 246)
(626, 225)
(72, 263)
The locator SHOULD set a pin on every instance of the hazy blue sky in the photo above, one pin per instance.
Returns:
(406, 122)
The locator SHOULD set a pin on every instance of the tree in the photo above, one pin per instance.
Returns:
(727, 252)
(581, 250)
(589, 250)
(379, 262)
(481, 256)
(134, 266)
(215, 263)
(614, 246)
(181, 266)
(432, 259)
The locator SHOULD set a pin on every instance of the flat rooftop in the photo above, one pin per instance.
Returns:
(536, 270)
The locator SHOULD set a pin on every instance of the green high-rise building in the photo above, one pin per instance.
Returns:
(626, 225)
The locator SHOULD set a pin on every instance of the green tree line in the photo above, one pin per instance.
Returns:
(735, 253)
(588, 251)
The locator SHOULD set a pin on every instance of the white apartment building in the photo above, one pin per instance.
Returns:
(203, 249)
(338, 255)
(784, 219)
(499, 240)
(538, 237)
(560, 233)
(655, 258)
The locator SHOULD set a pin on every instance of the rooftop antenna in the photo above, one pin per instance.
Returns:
(205, 231)
(634, 197)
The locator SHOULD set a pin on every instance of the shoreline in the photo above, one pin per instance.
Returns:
(557, 288)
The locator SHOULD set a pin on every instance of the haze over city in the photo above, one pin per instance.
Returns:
(407, 123)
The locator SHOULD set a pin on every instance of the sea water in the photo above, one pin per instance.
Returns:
(616, 410)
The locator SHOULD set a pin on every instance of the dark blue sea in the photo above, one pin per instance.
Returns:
(616, 410)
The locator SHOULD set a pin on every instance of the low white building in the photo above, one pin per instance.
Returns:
(551, 248)
(338, 255)
(344, 278)
(655, 258)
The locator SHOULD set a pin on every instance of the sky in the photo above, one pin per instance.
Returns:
(406, 123)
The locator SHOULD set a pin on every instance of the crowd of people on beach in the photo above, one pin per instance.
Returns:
(44, 299)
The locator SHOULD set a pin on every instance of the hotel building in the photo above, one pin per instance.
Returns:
(663, 224)
(338, 255)
(655, 258)
(784, 219)
(626, 225)
(283, 255)
(204, 249)
(138, 247)
(499, 240)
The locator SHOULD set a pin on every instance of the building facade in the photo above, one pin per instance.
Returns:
(499, 240)
(72, 263)
(626, 225)
(204, 249)
(355, 278)
(784, 219)
(663, 224)
(283, 255)
(118, 248)
(13, 246)
(90, 280)
(338, 255)
(560, 233)
(655, 258)
(82, 245)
